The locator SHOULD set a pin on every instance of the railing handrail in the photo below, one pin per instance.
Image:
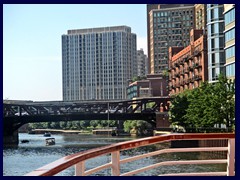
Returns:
(71, 160)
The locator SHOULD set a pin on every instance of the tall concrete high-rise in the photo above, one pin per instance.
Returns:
(98, 62)
(149, 8)
(229, 32)
(215, 38)
(168, 25)
(142, 63)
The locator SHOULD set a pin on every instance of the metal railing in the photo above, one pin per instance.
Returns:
(78, 160)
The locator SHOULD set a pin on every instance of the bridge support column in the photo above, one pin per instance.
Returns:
(9, 140)
(10, 137)
(120, 124)
(162, 121)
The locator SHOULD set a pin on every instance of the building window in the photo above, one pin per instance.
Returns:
(229, 16)
(230, 35)
(213, 44)
(230, 52)
(213, 73)
(230, 70)
(213, 59)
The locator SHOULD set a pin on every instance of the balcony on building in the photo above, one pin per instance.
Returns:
(181, 62)
(186, 59)
(190, 68)
(196, 53)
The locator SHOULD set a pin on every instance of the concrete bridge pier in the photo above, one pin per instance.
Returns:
(120, 124)
(10, 136)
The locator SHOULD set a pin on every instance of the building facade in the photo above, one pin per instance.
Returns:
(188, 66)
(98, 62)
(200, 16)
(149, 8)
(229, 32)
(142, 63)
(215, 35)
(154, 85)
(169, 25)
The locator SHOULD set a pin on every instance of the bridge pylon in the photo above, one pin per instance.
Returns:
(10, 135)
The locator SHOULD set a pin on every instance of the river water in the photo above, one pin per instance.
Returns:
(27, 157)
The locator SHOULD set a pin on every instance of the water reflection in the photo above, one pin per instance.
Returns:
(27, 157)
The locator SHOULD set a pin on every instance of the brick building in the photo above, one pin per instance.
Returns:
(188, 67)
(153, 85)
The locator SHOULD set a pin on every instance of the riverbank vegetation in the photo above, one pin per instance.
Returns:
(136, 127)
(210, 106)
(74, 125)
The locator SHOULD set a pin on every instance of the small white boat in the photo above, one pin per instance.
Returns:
(47, 134)
(50, 141)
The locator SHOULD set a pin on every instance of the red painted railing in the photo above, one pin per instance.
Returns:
(78, 159)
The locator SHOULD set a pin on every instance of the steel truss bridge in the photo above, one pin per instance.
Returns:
(17, 113)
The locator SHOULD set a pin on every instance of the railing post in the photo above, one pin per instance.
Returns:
(80, 169)
(231, 157)
(116, 163)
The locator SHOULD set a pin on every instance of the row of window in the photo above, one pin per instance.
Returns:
(217, 12)
(230, 70)
(230, 52)
(174, 13)
(216, 58)
(215, 73)
(229, 16)
(72, 96)
(216, 43)
(172, 19)
(215, 28)
(230, 35)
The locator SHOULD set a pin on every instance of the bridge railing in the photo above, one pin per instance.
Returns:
(78, 160)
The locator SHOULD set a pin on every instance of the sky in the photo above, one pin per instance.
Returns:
(32, 61)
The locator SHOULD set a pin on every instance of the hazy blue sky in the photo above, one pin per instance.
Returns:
(32, 67)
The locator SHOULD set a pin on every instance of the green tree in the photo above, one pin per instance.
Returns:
(84, 124)
(127, 125)
(35, 125)
(55, 125)
(178, 109)
(165, 72)
(206, 106)
(63, 124)
(94, 123)
(139, 126)
(76, 125)
(224, 92)
(138, 78)
(212, 104)
(46, 125)
(69, 125)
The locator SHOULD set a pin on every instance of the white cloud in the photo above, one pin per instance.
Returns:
(142, 44)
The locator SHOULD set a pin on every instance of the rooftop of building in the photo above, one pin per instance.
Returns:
(99, 30)
(173, 6)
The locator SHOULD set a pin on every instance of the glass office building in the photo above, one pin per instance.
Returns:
(98, 62)
(229, 32)
(215, 31)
